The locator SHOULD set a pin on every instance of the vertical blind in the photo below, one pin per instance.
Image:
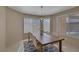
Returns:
(46, 24)
(32, 24)
(73, 24)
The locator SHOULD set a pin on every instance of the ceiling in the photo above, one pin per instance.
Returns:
(37, 10)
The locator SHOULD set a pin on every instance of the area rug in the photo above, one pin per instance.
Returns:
(29, 47)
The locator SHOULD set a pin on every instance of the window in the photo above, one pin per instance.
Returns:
(73, 25)
(32, 24)
(46, 24)
(27, 24)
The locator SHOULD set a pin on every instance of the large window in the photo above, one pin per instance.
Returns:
(46, 24)
(73, 25)
(32, 24)
(27, 24)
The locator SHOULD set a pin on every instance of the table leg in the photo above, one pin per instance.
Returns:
(41, 48)
(60, 46)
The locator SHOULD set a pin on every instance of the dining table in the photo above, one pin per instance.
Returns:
(45, 39)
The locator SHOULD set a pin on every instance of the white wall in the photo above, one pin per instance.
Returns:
(2, 28)
(14, 27)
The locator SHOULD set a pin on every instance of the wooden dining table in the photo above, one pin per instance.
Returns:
(45, 39)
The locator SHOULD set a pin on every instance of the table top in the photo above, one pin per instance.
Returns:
(46, 39)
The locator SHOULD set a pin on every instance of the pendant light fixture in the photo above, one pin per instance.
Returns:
(41, 12)
(41, 22)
